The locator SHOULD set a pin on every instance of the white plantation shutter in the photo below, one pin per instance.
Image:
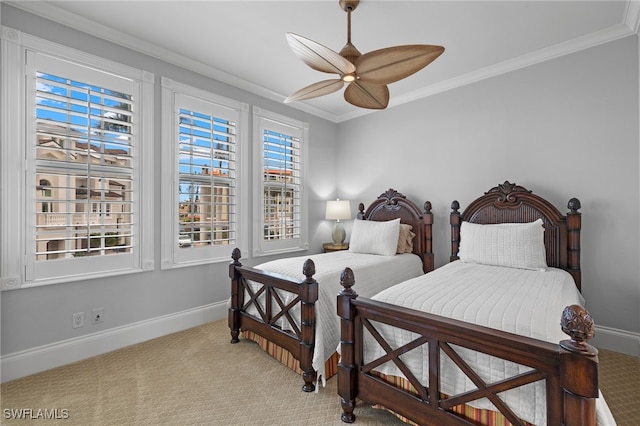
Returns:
(280, 144)
(201, 143)
(281, 181)
(83, 148)
(207, 169)
(81, 130)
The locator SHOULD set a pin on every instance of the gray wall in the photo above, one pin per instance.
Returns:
(42, 315)
(563, 128)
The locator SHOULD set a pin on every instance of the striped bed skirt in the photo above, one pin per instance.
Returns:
(477, 416)
(287, 358)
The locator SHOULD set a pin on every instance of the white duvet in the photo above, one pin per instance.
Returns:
(529, 303)
(373, 273)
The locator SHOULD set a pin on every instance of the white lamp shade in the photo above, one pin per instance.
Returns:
(338, 210)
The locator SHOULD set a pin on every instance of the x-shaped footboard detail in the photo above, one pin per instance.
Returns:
(487, 391)
(285, 310)
(393, 356)
(271, 294)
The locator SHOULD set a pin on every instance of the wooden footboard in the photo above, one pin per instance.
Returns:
(297, 337)
(275, 320)
(570, 370)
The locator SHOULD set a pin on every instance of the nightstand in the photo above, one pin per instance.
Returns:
(328, 247)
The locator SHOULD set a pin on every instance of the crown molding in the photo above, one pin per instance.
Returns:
(542, 55)
(630, 25)
(632, 16)
(571, 46)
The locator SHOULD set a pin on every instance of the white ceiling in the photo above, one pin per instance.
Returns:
(243, 42)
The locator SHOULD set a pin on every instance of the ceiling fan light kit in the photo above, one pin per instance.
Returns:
(367, 75)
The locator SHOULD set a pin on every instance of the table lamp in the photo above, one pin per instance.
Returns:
(338, 210)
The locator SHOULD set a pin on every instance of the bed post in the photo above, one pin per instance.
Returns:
(237, 296)
(574, 224)
(454, 221)
(308, 298)
(578, 368)
(347, 387)
(427, 219)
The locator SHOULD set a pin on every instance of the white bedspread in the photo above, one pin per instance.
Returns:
(528, 303)
(372, 273)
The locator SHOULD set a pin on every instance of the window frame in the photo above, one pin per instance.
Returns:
(172, 255)
(17, 261)
(300, 129)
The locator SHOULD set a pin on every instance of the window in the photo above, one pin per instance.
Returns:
(44, 188)
(279, 183)
(86, 129)
(202, 167)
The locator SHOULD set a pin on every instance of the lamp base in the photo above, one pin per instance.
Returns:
(338, 235)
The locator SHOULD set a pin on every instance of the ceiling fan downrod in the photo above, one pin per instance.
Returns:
(349, 51)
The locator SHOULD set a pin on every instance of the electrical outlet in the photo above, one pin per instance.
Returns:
(77, 320)
(97, 315)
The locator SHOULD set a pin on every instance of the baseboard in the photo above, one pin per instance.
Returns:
(30, 361)
(616, 340)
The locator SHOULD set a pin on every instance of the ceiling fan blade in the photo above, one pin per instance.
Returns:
(391, 64)
(367, 95)
(319, 57)
(315, 90)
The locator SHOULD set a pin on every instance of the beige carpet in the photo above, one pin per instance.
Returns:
(197, 377)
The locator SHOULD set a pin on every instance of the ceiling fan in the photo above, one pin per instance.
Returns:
(367, 75)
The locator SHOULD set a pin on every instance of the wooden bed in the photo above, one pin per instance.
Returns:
(296, 343)
(570, 368)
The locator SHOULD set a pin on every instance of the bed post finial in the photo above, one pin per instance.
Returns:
(236, 255)
(576, 322)
(427, 207)
(347, 281)
(574, 205)
(360, 214)
(308, 269)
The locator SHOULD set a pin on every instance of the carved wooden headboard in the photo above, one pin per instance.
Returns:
(392, 205)
(509, 202)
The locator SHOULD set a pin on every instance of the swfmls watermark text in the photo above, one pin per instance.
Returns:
(35, 413)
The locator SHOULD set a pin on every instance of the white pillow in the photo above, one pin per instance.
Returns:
(514, 245)
(372, 237)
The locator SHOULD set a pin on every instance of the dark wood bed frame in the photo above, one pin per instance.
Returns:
(300, 340)
(570, 368)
